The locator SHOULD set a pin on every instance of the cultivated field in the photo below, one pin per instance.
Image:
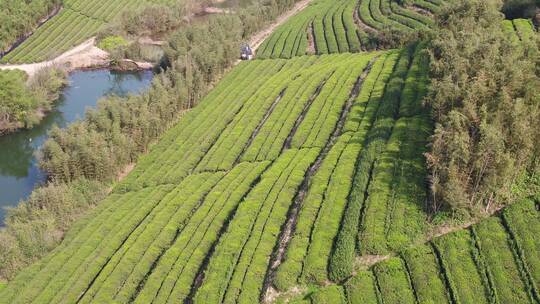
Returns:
(495, 261)
(327, 27)
(205, 216)
(520, 30)
(285, 178)
(76, 22)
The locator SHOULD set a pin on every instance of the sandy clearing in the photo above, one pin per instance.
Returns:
(84, 55)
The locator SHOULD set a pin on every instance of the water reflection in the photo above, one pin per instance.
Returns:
(19, 172)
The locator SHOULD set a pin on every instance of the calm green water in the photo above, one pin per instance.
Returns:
(19, 171)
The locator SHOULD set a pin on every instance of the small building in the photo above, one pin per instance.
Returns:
(246, 53)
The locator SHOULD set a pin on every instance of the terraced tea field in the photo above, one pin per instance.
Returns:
(285, 177)
(77, 21)
(519, 30)
(495, 261)
(273, 151)
(327, 27)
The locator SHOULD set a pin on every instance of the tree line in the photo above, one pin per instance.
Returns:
(23, 101)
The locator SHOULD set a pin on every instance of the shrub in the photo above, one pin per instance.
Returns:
(113, 43)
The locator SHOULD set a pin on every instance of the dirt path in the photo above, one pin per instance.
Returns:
(258, 38)
(87, 54)
(84, 55)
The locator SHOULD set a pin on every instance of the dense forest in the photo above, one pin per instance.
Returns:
(485, 101)
(25, 101)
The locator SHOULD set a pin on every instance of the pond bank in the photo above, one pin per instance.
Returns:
(84, 56)
(19, 170)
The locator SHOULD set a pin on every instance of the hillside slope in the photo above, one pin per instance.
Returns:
(77, 22)
(277, 182)
(200, 216)
(494, 261)
(328, 27)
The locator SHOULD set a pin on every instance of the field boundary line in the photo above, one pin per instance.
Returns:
(258, 38)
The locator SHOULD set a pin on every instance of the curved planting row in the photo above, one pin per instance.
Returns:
(393, 213)
(389, 14)
(272, 137)
(372, 178)
(324, 27)
(428, 6)
(227, 149)
(320, 214)
(177, 268)
(185, 145)
(102, 10)
(519, 30)
(200, 217)
(328, 27)
(237, 269)
(317, 125)
(490, 262)
(101, 237)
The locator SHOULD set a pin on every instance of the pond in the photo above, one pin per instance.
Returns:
(19, 171)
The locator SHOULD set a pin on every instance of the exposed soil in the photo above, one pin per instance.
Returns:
(258, 38)
(151, 41)
(7, 126)
(273, 294)
(85, 55)
(126, 171)
(419, 10)
(367, 261)
(311, 41)
(361, 23)
(217, 10)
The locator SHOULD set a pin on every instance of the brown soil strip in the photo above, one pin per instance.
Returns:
(361, 23)
(290, 225)
(126, 171)
(106, 262)
(367, 261)
(312, 49)
(217, 10)
(419, 10)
